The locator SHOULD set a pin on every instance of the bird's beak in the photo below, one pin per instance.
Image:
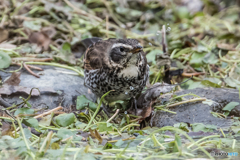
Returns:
(136, 49)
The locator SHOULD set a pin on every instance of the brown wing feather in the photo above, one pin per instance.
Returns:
(97, 55)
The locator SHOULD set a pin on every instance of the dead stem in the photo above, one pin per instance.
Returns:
(113, 115)
(29, 66)
(187, 101)
(192, 74)
(48, 142)
(31, 59)
(48, 112)
(30, 71)
(35, 67)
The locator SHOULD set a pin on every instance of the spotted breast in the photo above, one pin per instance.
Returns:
(116, 64)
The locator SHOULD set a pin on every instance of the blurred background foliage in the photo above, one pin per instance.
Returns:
(202, 35)
(203, 40)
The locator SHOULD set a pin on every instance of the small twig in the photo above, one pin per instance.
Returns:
(30, 71)
(60, 112)
(48, 142)
(35, 67)
(31, 59)
(57, 65)
(192, 74)
(187, 101)
(48, 112)
(66, 139)
(45, 141)
(25, 115)
(113, 141)
(113, 116)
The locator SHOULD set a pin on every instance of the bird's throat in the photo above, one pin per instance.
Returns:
(129, 71)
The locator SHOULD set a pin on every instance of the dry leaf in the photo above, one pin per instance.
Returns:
(96, 135)
(14, 80)
(41, 39)
(7, 129)
(4, 35)
(225, 46)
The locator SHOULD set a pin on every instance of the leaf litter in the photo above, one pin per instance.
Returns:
(203, 43)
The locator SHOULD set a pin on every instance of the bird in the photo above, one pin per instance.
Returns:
(115, 64)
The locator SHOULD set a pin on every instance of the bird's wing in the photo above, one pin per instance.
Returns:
(90, 41)
(97, 55)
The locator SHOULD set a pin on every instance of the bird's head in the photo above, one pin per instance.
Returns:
(125, 52)
(113, 53)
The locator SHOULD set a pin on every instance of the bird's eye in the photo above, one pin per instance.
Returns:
(121, 49)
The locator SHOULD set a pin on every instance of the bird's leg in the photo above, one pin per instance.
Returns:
(104, 108)
(133, 103)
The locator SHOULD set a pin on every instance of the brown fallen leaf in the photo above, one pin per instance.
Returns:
(98, 136)
(14, 80)
(7, 129)
(41, 39)
(225, 46)
(4, 35)
(95, 134)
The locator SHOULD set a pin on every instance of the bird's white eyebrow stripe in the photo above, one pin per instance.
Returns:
(121, 44)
